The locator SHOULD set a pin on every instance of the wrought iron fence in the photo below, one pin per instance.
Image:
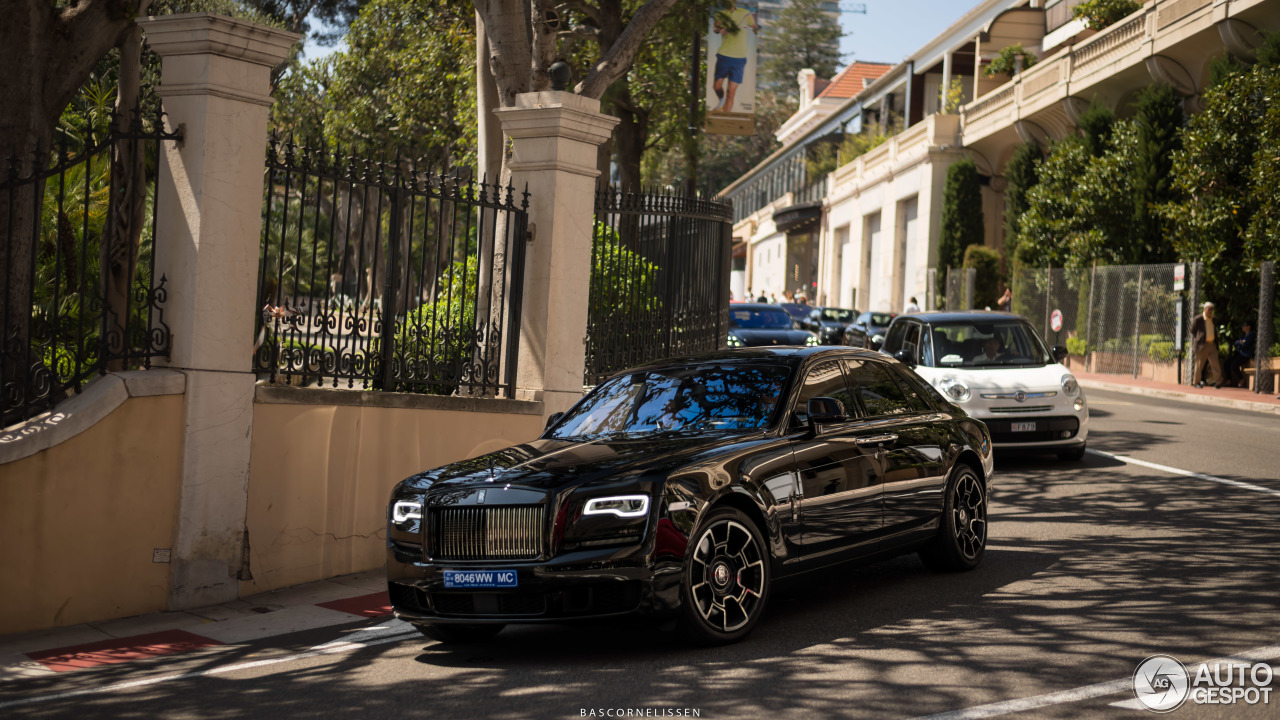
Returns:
(659, 279)
(1115, 319)
(80, 295)
(383, 275)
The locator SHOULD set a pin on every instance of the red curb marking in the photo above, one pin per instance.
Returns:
(371, 606)
(118, 650)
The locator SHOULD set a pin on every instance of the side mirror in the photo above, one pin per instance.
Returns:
(825, 410)
(877, 341)
(555, 418)
(1059, 352)
(905, 358)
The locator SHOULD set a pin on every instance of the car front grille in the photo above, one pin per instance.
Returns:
(1022, 409)
(1048, 429)
(487, 533)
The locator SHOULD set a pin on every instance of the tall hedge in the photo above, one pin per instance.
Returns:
(990, 270)
(1020, 176)
(1159, 120)
(961, 218)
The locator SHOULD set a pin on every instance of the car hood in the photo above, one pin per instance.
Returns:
(753, 337)
(1030, 379)
(551, 465)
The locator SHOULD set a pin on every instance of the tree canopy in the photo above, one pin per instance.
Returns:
(802, 35)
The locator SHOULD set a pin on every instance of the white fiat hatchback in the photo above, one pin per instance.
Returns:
(996, 367)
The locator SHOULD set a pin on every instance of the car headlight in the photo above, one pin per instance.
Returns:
(735, 341)
(812, 340)
(623, 506)
(1070, 386)
(954, 389)
(604, 521)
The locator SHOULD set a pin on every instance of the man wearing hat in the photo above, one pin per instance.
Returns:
(1204, 348)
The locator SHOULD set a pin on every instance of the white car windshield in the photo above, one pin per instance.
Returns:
(986, 344)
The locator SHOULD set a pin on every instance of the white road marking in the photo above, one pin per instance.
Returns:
(1186, 473)
(1268, 652)
(337, 646)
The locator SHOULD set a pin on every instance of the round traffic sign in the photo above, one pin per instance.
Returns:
(1055, 321)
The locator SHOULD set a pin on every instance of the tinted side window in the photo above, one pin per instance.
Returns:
(914, 388)
(875, 387)
(823, 380)
(911, 339)
(896, 334)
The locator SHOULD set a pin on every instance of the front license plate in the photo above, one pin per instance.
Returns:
(1024, 427)
(480, 578)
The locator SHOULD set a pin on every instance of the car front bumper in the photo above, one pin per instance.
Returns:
(1059, 425)
(580, 585)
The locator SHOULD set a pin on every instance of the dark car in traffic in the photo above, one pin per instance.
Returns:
(828, 323)
(799, 312)
(684, 488)
(868, 330)
(763, 324)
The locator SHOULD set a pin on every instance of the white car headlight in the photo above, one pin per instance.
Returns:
(954, 389)
(624, 506)
(406, 510)
(1070, 386)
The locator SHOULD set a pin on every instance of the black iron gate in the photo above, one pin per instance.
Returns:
(659, 279)
(384, 276)
(79, 296)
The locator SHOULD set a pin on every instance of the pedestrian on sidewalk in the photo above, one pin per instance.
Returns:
(1204, 348)
(1242, 352)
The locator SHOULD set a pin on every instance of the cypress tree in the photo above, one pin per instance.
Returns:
(1159, 120)
(1096, 123)
(961, 217)
(801, 35)
(1020, 175)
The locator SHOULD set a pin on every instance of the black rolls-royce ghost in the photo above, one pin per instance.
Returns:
(684, 488)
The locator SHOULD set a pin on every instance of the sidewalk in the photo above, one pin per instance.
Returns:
(337, 601)
(1236, 398)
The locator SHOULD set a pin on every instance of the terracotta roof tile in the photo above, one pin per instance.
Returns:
(854, 79)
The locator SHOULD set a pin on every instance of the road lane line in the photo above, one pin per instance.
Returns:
(1268, 652)
(1186, 473)
(331, 648)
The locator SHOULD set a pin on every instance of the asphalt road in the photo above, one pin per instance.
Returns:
(1092, 567)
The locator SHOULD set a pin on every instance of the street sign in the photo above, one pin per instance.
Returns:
(1179, 277)
(1055, 321)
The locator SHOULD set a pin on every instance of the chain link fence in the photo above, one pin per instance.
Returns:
(1265, 363)
(1118, 319)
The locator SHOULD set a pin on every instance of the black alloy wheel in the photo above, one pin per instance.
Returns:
(450, 634)
(962, 532)
(726, 579)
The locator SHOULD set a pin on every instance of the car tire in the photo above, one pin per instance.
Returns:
(459, 634)
(961, 541)
(724, 585)
(1072, 455)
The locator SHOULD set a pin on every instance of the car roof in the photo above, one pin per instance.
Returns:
(963, 315)
(786, 355)
(756, 306)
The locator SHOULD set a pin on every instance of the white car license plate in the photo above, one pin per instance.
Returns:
(1024, 427)
(480, 578)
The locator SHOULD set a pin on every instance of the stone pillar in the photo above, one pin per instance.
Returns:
(555, 136)
(215, 86)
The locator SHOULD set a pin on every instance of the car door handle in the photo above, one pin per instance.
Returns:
(876, 440)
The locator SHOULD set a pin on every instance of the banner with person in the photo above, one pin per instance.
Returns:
(731, 70)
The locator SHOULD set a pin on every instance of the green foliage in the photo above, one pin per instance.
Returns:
(1162, 351)
(1020, 175)
(1099, 14)
(1158, 121)
(1228, 174)
(619, 273)
(1096, 124)
(961, 217)
(950, 99)
(1006, 61)
(801, 35)
(434, 341)
(404, 85)
(1082, 208)
(1077, 346)
(990, 271)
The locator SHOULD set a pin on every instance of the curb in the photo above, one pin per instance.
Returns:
(1248, 405)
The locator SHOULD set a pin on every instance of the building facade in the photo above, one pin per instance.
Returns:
(866, 235)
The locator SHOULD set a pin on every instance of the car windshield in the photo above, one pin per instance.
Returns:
(880, 319)
(680, 400)
(760, 319)
(987, 344)
(838, 315)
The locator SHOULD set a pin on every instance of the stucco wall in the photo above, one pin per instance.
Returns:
(79, 520)
(321, 474)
